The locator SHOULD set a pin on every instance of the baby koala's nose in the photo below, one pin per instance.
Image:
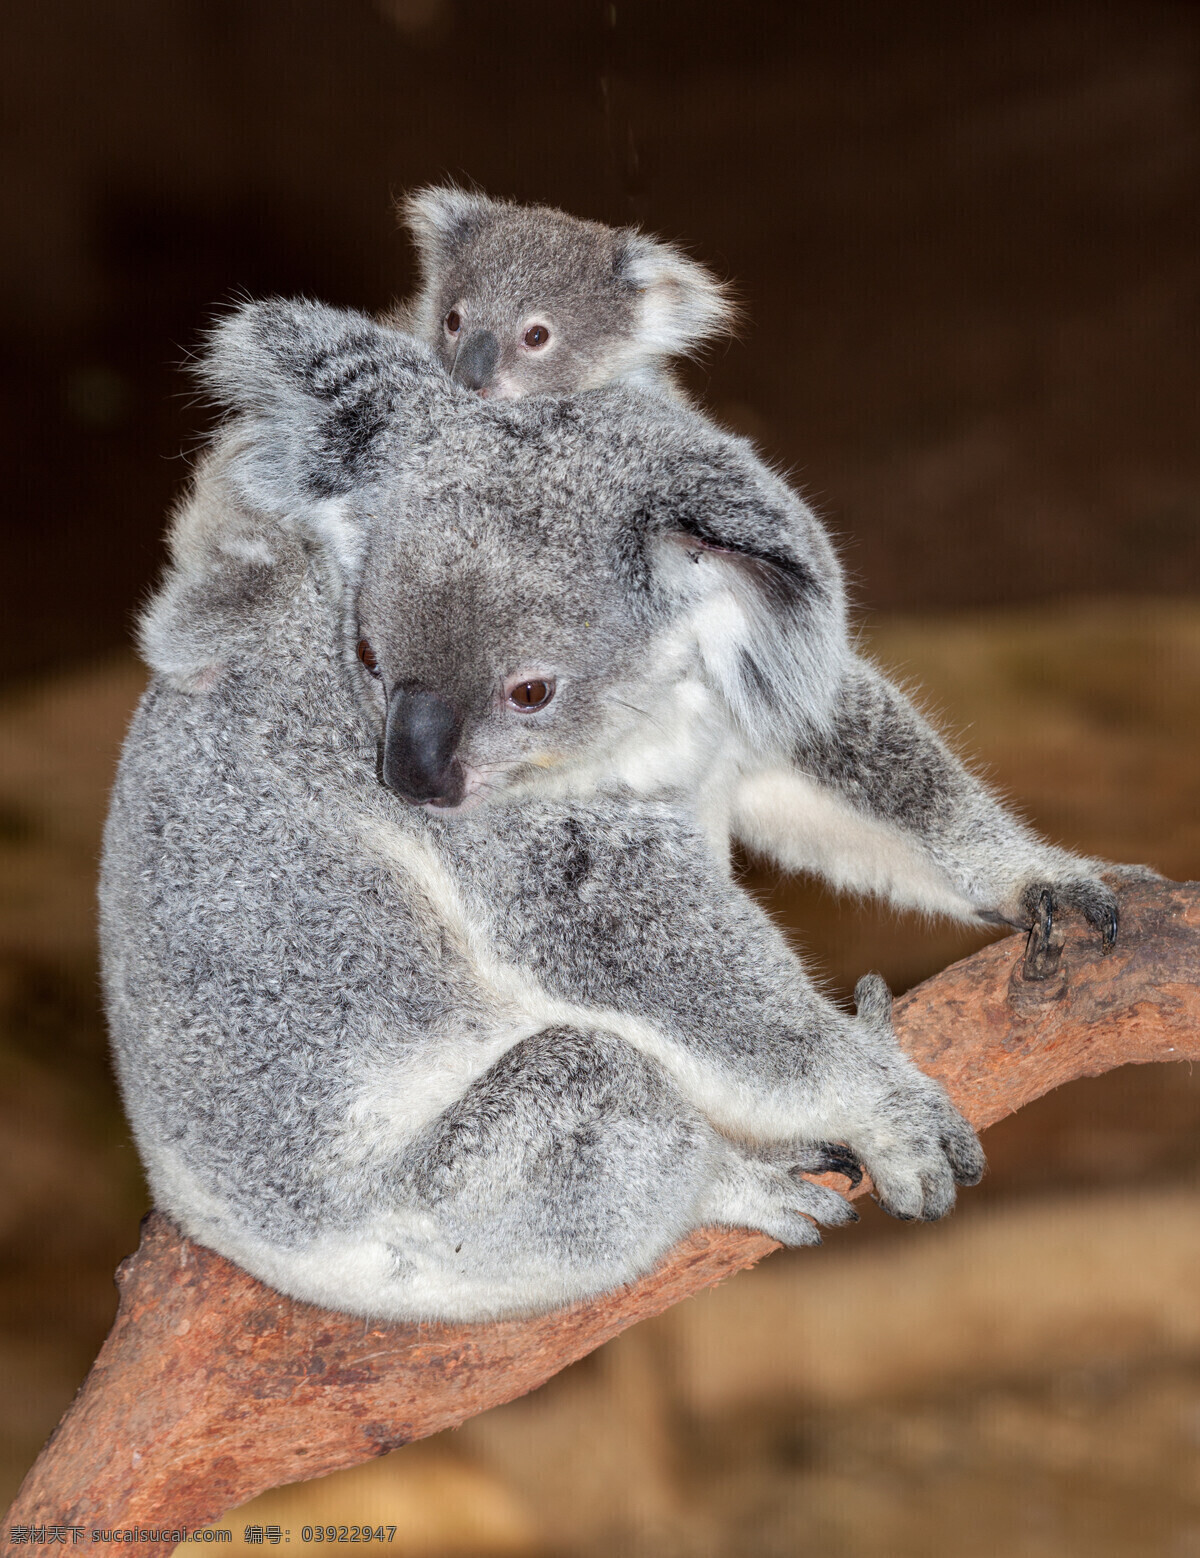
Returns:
(420, 740)
(475, 363)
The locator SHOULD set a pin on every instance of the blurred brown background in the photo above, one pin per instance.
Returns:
(965, 238)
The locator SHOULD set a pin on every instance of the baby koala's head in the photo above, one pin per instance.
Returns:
(525, 300)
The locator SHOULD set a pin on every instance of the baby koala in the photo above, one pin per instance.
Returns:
(525, 300)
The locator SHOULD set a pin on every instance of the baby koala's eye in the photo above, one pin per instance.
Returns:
(530, 695)
(536, 335)
(453, 322)
(367, 655)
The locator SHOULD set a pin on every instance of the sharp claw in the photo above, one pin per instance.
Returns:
(838, 1159)
(1106, 919)
(1045, 919)
(1041, 954)
(833, 1158)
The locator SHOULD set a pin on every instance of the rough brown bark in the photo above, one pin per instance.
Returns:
(211, 1387)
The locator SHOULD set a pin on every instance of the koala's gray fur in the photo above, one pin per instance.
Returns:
(486, 1057)
(616, 305)
(877, 804)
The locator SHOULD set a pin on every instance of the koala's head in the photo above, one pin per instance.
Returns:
(525, 300)
(544, 592)
(495, 645)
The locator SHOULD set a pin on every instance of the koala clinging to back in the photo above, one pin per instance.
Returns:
(431, 993)
(519, 300)
(525, 300)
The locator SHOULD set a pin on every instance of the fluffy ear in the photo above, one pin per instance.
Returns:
(683, 304)
(442, 219)
(315, 394)
(231, 572)
(759, 587)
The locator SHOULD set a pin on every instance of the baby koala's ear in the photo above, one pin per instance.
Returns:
(442, 219)
(683, 305)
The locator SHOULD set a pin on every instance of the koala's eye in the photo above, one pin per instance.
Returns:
(536, 336)
(367, 655)
(530, 695)
(453, 321)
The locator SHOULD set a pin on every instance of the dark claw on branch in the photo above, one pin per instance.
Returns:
(838, 1159)
(1107, 921)
(1043, 949)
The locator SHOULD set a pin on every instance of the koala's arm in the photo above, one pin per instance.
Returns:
(876, 803)
(643, 933)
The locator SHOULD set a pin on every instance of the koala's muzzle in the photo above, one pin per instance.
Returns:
(419, 743)
(475, 362)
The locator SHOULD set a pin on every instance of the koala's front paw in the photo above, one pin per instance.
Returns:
(1041, 902)
(914, 1144)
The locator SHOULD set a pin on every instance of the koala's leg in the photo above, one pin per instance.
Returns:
(878, 804)
(571, 1165)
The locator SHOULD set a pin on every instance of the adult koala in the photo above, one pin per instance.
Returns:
(430, 990)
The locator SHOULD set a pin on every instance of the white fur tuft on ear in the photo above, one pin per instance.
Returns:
(441, 218)
(683, 304)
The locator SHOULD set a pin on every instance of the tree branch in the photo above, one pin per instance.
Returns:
(212, 1388)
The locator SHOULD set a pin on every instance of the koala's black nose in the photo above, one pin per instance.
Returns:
(419, 743)
(476, 360)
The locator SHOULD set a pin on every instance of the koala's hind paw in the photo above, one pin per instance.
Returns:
(769, 1194)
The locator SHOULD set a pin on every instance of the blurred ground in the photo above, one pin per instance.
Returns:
(1023, 1380)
